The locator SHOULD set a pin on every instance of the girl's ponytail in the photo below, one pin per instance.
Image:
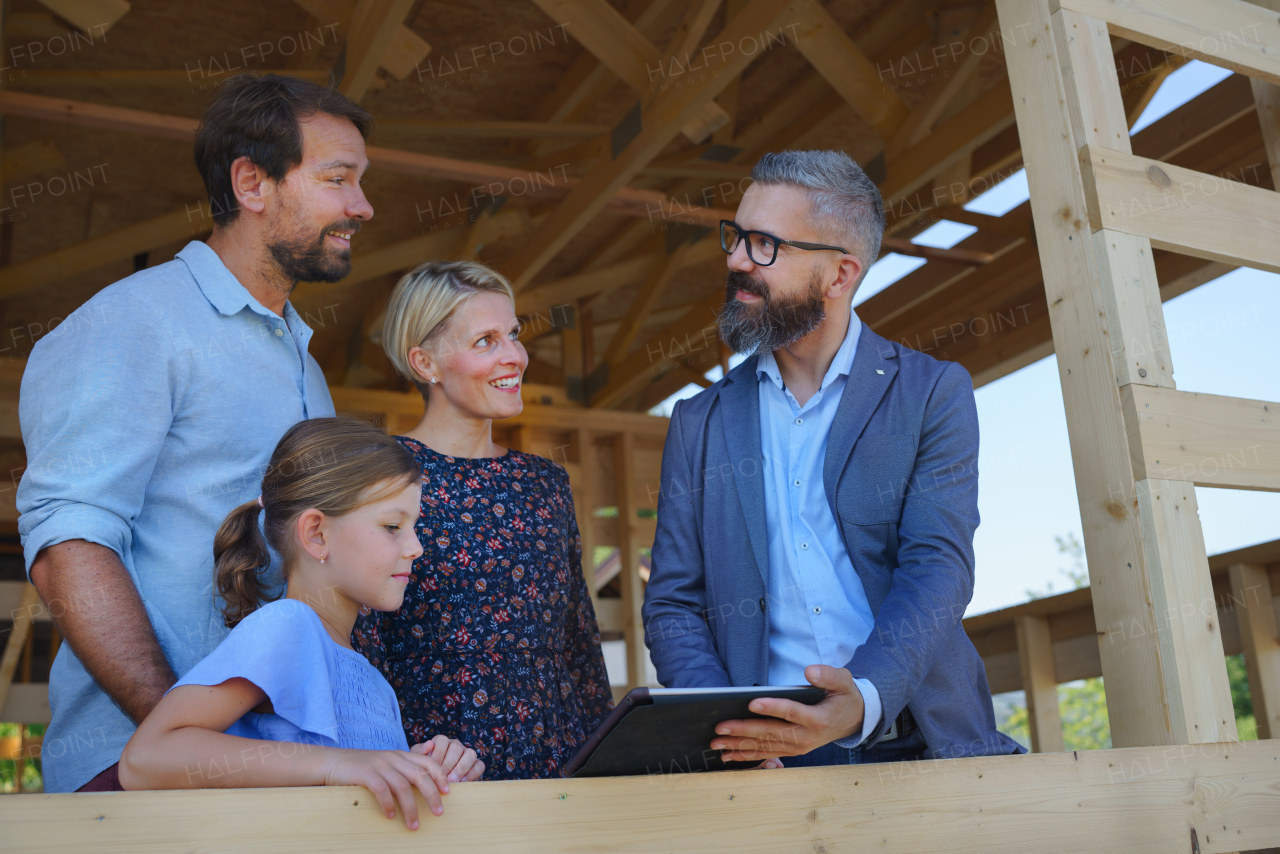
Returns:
(331, 464)
(239, 555)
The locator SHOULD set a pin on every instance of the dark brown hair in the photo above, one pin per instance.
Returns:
(256, 116)
(324, 463)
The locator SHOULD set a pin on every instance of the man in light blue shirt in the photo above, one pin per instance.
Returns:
(818, 504)
(153, 410)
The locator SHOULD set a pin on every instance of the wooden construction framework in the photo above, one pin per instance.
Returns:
(1139, 446)
(602, 242)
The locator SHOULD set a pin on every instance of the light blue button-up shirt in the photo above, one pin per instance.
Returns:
(818, 611)
(148, 415)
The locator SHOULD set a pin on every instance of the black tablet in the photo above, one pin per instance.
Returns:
(669, 730)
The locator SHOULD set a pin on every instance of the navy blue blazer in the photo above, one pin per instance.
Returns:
(901, 475)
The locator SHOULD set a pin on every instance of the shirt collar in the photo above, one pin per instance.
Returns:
(767, 365)
(216, 282)
(224, 291)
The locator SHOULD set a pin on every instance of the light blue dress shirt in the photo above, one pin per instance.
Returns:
(818, 611)
(148, 415)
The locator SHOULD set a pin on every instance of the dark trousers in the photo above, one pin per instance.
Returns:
(107, 781)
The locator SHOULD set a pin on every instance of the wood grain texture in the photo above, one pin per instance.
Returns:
(1230, 33)
(1183, 210)
(1135, 801)
(1138, 698)
(1207, 439)
(1252, 601)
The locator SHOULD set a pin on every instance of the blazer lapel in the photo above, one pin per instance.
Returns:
(874, 367)
(740, 399)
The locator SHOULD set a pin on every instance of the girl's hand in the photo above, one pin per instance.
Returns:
(391, 776)
(455, 758)
(769, 764)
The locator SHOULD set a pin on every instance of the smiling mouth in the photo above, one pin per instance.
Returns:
(506, 383)
(344, 236)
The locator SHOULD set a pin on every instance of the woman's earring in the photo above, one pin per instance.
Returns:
(322, 560)
(433, 380)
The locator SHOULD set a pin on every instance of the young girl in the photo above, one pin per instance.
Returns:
(284, 700)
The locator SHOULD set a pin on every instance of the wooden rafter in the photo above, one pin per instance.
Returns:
(660, 122)
(654, 285)
(373, 25)
(954, 71)
(839, 59)
(93, 17)
(626, 52)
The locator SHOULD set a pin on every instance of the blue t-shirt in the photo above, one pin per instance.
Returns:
(322, 693)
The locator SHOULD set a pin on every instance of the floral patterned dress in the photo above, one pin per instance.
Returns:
(496, 643)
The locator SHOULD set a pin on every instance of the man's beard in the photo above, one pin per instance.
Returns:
(773, 322)
(302, 259)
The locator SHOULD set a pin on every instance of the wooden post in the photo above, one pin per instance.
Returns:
(1035, 655)
(1255, 611)
(22, 619)
(1161, 651)
(629, 553)
(584, 503)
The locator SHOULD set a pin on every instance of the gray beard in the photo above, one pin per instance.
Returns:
(772, 324)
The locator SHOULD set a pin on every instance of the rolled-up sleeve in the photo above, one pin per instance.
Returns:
(96, 403)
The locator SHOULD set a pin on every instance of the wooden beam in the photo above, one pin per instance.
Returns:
(403, 52)
(1230, 33)
(1035, 654)
(1182, 210)
(692, 339)
(626, 52)
(149, 79)
(189, 222)
(1150, 699)
(660, 122)
(373, 24)
(842, 63)
(655, 283)
(92, 17)
(494, 129)
(1206, 439)
(97, 116)
(624, 473)
(1141, 800)
(22, 620)
(572, 288)
(952, 74)
(954, 139)
(1255, 611)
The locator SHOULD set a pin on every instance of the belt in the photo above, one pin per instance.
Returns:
(902, 725)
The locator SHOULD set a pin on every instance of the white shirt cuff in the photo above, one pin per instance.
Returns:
(872, 712)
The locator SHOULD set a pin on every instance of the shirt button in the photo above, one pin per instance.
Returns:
(279, 333)
(804, 546)
(799, 420)
(797, 483)
(817, 609)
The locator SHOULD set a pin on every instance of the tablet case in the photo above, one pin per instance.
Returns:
(669, 730)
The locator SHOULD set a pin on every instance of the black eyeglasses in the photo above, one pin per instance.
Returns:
(762, 248)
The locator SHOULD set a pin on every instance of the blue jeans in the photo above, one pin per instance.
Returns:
(905, 748)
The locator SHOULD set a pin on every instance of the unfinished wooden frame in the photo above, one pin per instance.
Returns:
(1138, 446)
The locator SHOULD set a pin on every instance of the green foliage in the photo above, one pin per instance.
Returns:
(1083, 707)
(31, 777)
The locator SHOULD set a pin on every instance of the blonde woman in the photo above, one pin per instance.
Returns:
(496, 642)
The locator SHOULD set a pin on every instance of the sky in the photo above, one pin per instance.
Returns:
(1222, 341)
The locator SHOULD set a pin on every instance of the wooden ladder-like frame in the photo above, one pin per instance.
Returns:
(1139, 445)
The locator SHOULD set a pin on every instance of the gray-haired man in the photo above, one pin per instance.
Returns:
(818, 504)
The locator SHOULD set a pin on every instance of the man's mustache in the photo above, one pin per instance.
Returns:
(746, 284)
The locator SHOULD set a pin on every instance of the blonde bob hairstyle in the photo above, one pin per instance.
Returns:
(424, 301)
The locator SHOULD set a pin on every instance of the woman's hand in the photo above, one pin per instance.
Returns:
(768, 764)
(456, 759)
(391, 776)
